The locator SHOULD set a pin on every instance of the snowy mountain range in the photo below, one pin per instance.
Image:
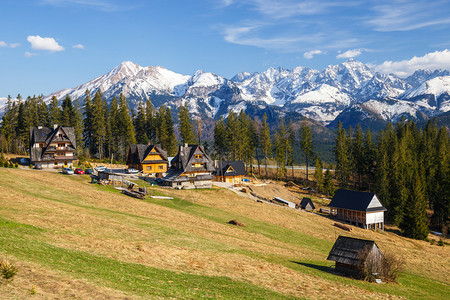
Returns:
(334, 93)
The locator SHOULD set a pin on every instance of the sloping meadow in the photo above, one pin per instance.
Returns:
(63, 232)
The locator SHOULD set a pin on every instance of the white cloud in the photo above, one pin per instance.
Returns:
(78, 46)
(3, 44)
(30, 54)
(310, 54)
(350, 53)
(409, 15)
(403, 68)
(44, 43)
(14, 45)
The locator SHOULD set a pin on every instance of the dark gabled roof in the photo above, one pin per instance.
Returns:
(139, 152)
(359, 201)
(39, 135)
(237, 166)
(350, 251)
(305, 202)
(48, 135)
(186, 157)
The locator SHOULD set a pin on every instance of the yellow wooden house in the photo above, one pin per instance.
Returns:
(150, 159)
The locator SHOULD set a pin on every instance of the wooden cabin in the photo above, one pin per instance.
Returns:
(52, 147)
(358, 208)
(150, 159)
(307, 204)
(352, 254)
(230, 171)
(191, 168)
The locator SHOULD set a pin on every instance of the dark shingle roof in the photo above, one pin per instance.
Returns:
(350, 251)
(186, 157)
(47, 136)
(359, 201)
(305, 202)
(238, 166)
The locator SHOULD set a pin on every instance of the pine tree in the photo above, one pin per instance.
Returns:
(233, 136)
(318, 175)
(186, 132)
(306, 144)
(220, 135)
(281, 141)
(414, 223)
(342, 156)
(78, 126)
(151, 126)
(266, 143)
(369, 159)
(358, 154)
(68, 117)
(98, 124)
(140, 124)
(54, 112)
(125, 130)
(162, 128)
(87, 122)
(172, 142)
(292, 145)
(328, 185)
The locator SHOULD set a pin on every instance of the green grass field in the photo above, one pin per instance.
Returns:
(73, 239)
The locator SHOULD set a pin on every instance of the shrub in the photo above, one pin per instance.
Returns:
(441, 242)
(1, 163)
(7, 270)
(16, 165)
(389, 267)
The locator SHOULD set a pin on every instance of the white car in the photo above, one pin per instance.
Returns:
(100, 168)
(132, 171)
(68, 171)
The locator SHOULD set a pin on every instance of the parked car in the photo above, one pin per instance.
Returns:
(38, 167)
(89, 171)
(67, 171)
(24, 161)
(79, 171)
(132, 171)
(100, 168)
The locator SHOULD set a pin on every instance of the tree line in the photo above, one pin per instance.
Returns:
(408, 168)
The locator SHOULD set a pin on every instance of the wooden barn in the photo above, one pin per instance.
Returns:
(150, 159)
(191, 168)
(352, 254)
(307, 204)
(359, 208)
(230, 171)
(52, 147)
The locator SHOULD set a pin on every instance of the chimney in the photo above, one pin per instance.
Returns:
(55, 126)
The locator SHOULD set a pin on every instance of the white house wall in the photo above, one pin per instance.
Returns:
(375, 217)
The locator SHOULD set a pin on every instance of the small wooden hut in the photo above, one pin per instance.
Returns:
(307, 204)
(352, 254)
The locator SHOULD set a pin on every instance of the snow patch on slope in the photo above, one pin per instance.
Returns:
(436, 86)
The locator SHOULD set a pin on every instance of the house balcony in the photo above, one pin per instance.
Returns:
(65, 158)
(54, 149)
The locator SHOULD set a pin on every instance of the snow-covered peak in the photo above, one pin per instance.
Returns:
(241, 76)
(202, 79)
(436, 86)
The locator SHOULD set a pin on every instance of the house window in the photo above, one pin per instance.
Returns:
(56, 163)
(198, 156)
(61, 145)
(59, 153)
(149, 168)
(161, 167)
(41, 145)
(197, 165)
(60, 135)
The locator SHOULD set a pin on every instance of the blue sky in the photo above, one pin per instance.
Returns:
(48, 45)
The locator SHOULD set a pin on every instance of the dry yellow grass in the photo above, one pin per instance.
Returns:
(128, 229)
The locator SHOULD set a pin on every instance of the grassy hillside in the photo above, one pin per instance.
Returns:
(70, 238)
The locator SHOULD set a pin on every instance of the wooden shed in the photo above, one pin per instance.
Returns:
(353, 254)
(359, 208)
(307, 204)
